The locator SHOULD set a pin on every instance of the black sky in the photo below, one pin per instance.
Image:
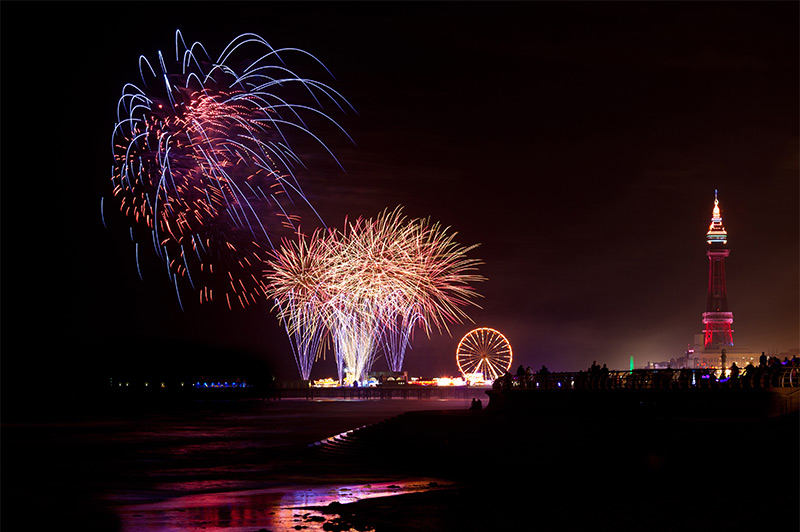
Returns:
(579, 143)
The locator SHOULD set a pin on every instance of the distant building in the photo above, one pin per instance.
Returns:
(387, 377)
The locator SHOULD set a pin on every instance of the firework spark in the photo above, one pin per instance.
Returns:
(371, 285)
(298, 287)
(203, 167)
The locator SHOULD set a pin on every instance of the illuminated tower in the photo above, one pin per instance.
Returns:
(717, 320)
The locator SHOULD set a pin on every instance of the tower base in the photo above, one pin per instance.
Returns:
(717, 331)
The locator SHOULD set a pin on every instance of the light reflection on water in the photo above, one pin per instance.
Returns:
(154, 468)
(274, 509)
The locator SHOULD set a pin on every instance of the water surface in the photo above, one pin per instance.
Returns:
(205, 465)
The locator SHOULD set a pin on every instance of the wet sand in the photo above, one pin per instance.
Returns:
(246, 466)
(282, 508)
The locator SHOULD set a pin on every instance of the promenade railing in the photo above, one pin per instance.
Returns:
(777, 376)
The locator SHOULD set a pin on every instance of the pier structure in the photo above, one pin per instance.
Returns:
(409, 391)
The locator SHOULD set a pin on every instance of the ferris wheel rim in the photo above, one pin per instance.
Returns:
(484, 349)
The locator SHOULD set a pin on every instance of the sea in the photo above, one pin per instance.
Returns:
(203, 465)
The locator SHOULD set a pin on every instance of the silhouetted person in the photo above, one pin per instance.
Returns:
(734, 371)
(762, 360)
(521, 371)
(507, 380)
(526, 377)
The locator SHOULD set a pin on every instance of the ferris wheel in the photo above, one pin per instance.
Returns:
(484, 351)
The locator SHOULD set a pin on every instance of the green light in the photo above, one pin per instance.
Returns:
(631, 362)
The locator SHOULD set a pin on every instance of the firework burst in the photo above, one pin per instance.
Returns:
(203, 166)
(370, 285)
(299, 288)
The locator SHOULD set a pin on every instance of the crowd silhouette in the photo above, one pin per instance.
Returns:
(770, 372)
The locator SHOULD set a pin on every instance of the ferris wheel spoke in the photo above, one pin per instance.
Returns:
(491, 372)
(470, 360)
(497, 344)
(471, 356)
(496, 366)
(474, 348)
(468, 363)
(469, 368)
(472, 352)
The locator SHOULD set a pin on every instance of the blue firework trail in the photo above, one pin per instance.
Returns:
(203, 162)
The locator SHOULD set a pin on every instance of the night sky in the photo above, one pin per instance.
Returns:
(579, 143)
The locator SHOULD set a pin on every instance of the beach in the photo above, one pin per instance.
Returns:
(434, 465)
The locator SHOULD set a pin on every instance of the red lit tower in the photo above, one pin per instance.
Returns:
(717, 320)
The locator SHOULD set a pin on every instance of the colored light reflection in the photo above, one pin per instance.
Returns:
(274, 509)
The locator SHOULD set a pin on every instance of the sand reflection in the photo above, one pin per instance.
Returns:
(275, 509)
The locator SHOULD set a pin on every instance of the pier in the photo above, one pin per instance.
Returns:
(406, 391)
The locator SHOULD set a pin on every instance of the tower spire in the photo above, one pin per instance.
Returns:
(716, 231)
